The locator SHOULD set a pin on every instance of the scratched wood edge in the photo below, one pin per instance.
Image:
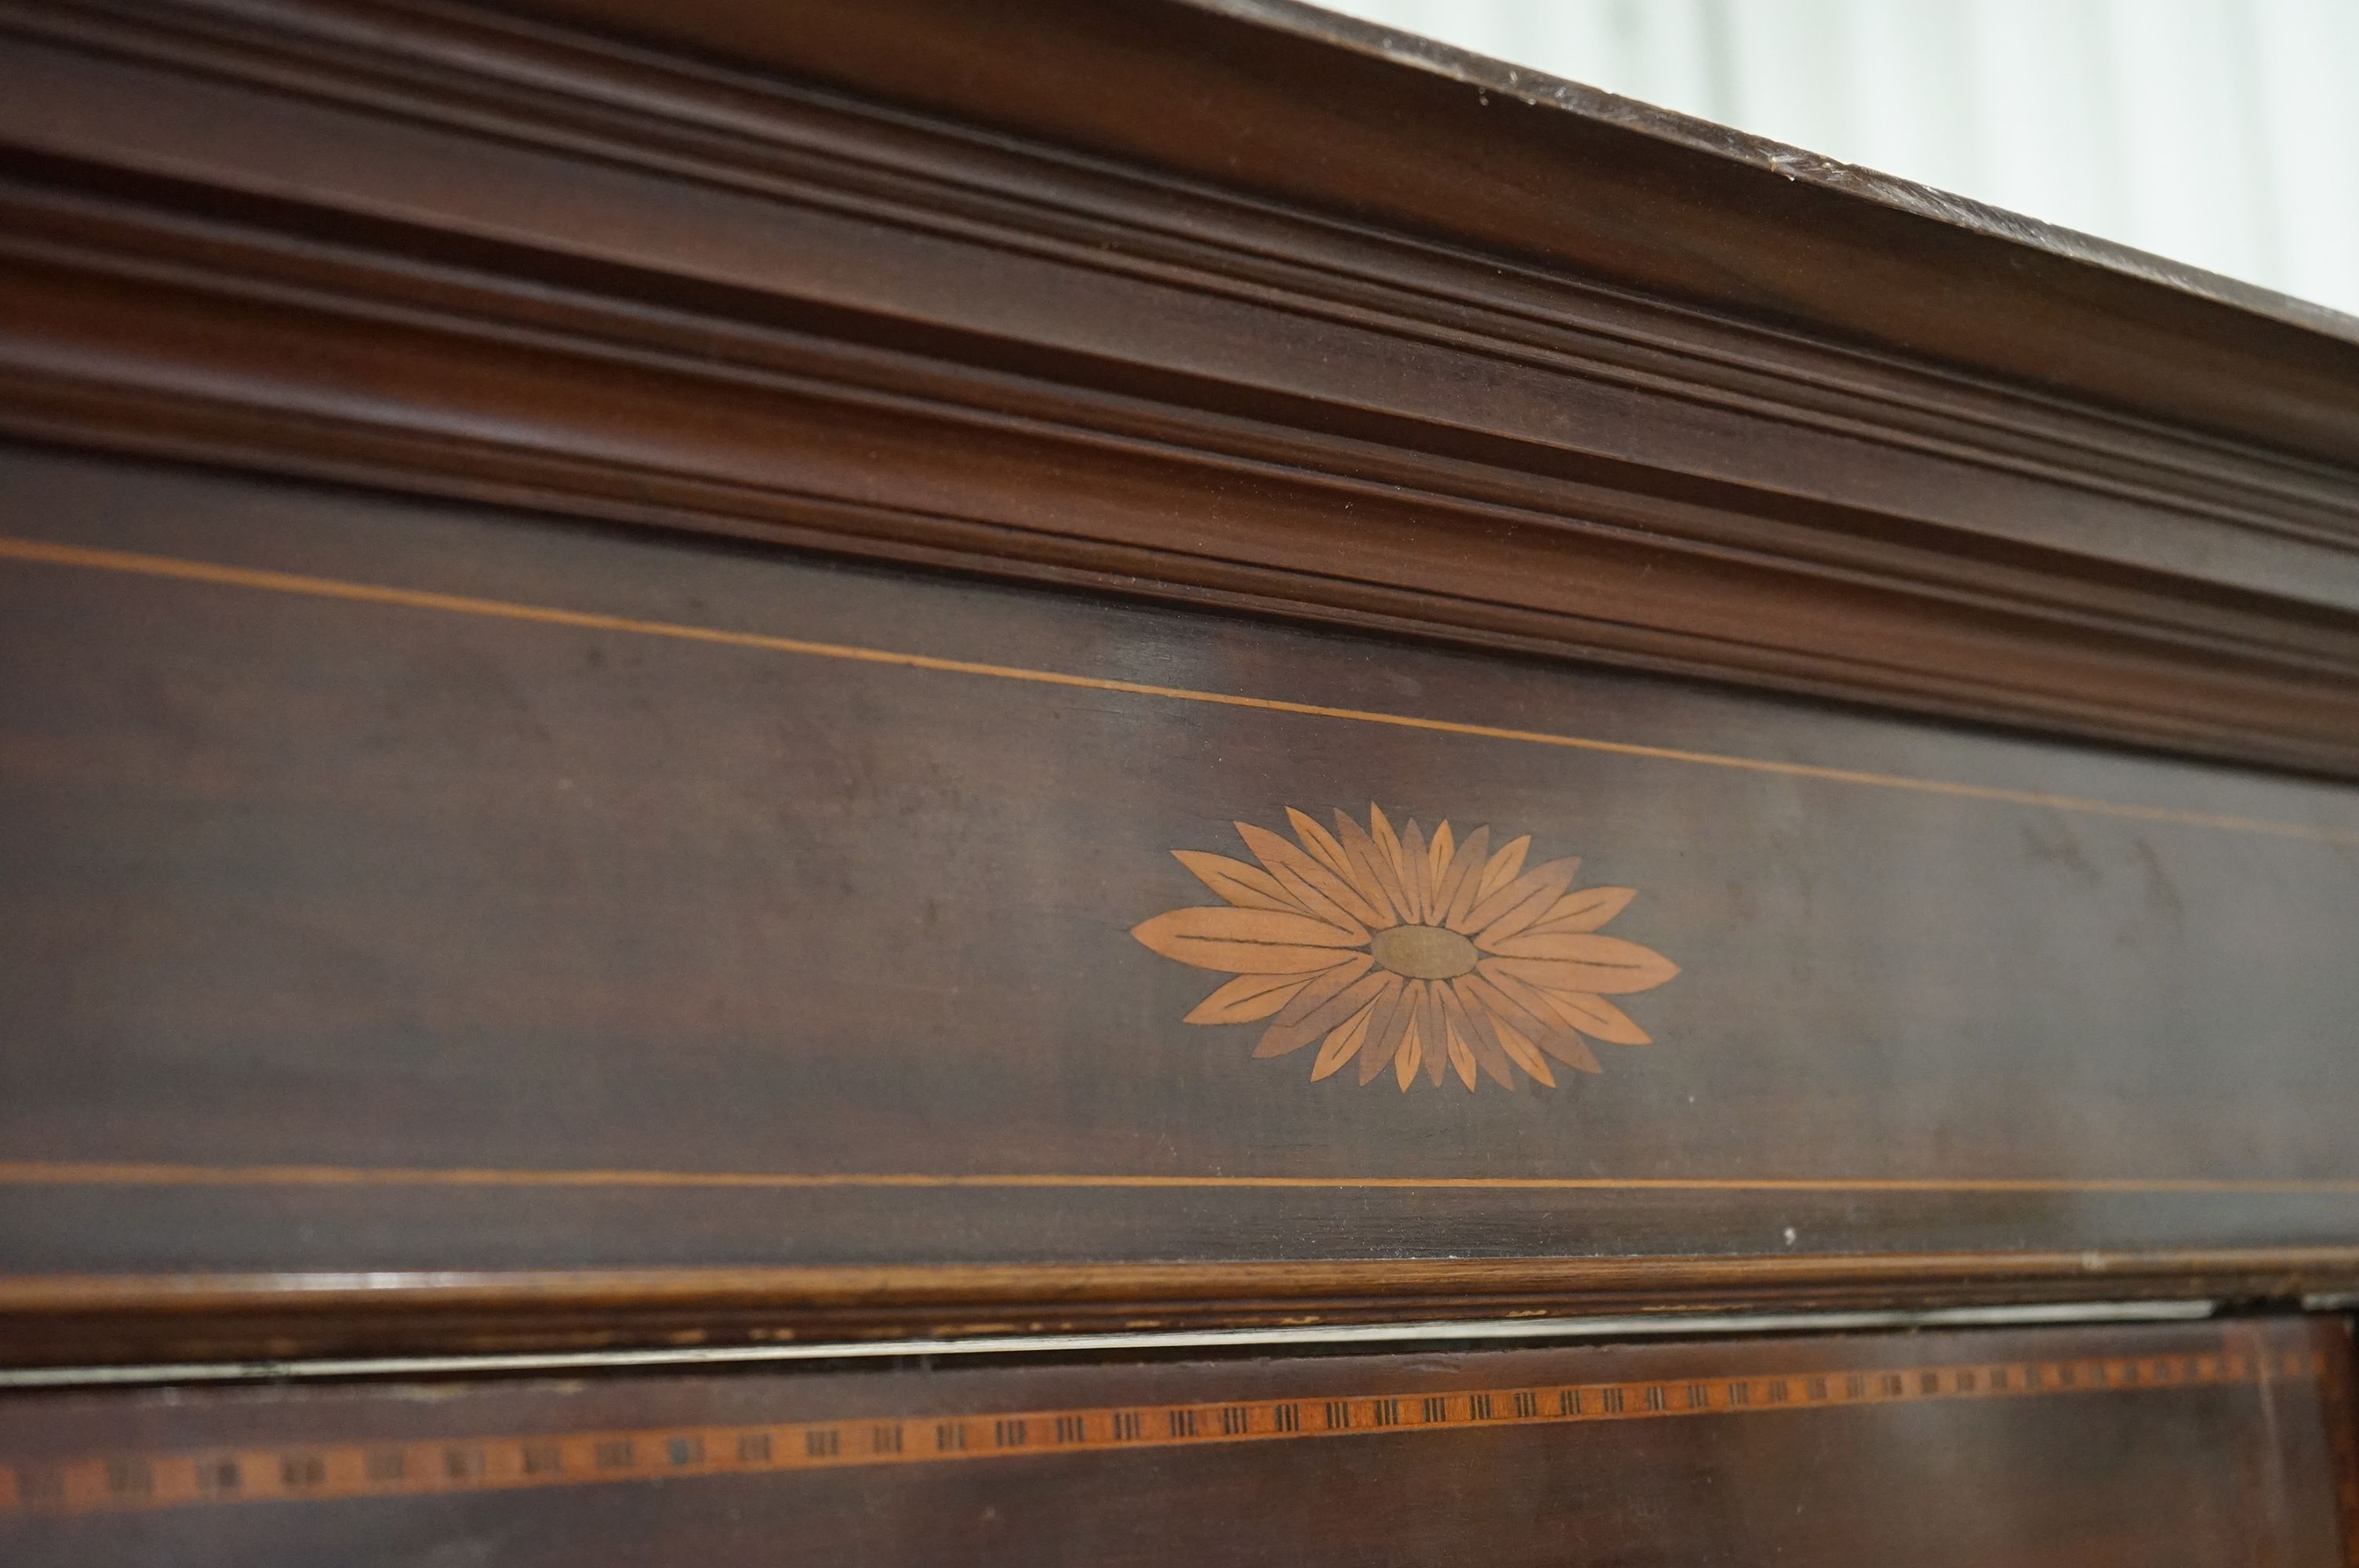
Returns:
(1448, 112)
(189, 363)
(144, 1479)
(57, 1319)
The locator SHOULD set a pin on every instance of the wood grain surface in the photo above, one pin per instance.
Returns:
(1422, 136)
(1505, 364)
(2210, 1445)
(693, 675)
(413, 889)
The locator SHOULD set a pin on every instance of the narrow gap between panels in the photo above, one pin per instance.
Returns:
(1511, 1331)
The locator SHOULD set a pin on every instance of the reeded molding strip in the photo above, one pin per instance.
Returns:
(67, 1320)
(1455, 1333)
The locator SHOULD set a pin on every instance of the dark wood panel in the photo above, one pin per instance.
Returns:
(415, 890)
(451, 252)
(1412, 135)
(2202, 1444)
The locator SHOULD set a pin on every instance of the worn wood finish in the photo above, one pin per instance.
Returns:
(1503, 364)
(2202, 1444)
(408, 890)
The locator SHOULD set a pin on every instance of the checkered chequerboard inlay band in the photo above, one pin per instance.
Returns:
(360, 1468)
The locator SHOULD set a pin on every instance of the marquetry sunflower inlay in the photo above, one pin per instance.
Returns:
(1436, 956)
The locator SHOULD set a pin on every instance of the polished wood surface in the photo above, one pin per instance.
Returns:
(1317, 112)
(1560, 382)
(410, 889)
(709, 675)
(2210, 1445)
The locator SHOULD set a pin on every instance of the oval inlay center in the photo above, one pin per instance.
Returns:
(1423, 952)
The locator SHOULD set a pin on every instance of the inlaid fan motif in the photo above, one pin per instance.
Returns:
(1436, 956)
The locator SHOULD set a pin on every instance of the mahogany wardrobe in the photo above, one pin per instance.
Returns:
(903, 782)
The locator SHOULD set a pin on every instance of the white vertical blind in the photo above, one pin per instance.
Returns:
(2220, 132)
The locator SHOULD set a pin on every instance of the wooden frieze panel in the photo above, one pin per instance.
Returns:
(408, 888)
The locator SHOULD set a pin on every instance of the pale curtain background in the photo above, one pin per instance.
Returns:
(2220, 132)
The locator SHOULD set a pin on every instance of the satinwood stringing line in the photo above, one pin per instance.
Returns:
(413, 1467)
(138, 564)
(153, 1174)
